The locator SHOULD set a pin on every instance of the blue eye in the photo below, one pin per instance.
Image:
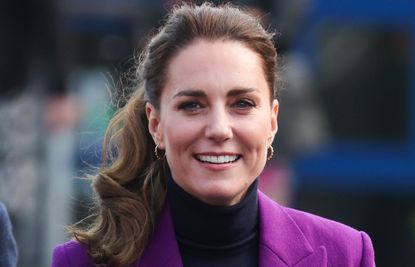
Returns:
(244, 104)
(189, 106)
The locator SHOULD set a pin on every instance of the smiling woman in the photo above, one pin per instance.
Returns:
(181, 189)
(227, 121)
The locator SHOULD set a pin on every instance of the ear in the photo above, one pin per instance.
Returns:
(154, 125)
(274, 121)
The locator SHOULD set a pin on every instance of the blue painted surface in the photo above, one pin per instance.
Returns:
(99, 24)
(361, 163)
(412, 94)
(366, 10)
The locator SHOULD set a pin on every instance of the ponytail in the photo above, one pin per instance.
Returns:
(130, 189)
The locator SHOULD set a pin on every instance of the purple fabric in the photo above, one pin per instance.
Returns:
(287, 238)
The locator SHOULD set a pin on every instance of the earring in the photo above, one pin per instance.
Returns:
(271, 153)
(156, 149)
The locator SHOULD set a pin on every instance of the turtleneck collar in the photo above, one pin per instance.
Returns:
(199, 224)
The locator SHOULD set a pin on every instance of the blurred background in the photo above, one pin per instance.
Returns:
(346, 143)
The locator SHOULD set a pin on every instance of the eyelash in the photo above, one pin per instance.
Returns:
(191, 106)
(247, 104)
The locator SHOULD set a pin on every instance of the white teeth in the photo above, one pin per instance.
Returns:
(217, 159)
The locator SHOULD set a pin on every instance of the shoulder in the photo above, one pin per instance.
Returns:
(341, 242)
(8, 249)
(321, 230)
(338, 239)
(318, 229)
(5, 224)
(3, 213)
(71, 253)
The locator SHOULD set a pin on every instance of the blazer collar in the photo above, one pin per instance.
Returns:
(281, 242)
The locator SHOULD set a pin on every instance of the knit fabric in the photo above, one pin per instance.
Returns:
(211, 235)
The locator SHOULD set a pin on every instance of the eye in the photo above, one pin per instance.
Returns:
(245, 104)
(189, 106)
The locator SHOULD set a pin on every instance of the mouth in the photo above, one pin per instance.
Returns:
(218, 159)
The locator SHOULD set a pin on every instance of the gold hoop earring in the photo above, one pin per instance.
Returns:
(271, 153)
(156, 149)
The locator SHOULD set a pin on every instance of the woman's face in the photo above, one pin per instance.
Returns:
(215, 120)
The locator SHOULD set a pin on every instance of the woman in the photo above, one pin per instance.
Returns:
(179, 186)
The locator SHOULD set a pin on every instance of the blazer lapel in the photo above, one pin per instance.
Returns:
(281, 242)
(318, 258)
(162, 250)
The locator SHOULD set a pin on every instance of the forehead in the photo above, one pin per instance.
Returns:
(215, 66)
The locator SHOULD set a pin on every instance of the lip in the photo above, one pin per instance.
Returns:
(217, 154)
(215, 166)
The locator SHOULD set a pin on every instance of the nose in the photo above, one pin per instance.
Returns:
(218, 126)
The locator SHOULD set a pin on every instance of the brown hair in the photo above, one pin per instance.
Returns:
(130, 186)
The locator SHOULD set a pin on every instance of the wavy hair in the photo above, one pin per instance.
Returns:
(130, 187)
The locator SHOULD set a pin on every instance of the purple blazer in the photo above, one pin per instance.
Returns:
(287, 237)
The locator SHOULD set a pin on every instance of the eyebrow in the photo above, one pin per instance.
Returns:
(201, 93)
(241, 91)
(190, 92)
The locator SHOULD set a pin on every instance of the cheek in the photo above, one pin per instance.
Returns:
(179, 135)
(255, 134)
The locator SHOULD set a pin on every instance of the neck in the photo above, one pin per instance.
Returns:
(208, 225)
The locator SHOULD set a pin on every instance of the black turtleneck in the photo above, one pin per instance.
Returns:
(210, 235)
